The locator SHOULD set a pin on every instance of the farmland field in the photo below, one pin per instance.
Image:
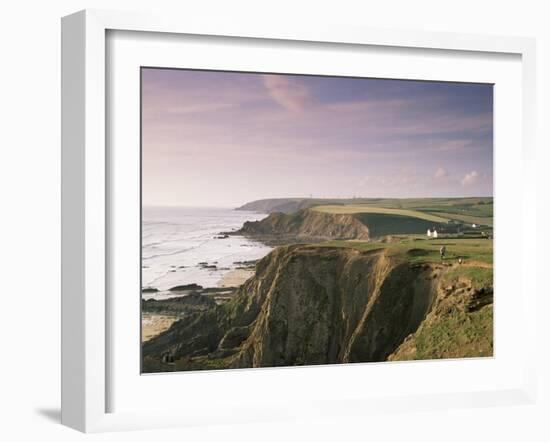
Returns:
(437, 210)
(363, 208)
(481, 220)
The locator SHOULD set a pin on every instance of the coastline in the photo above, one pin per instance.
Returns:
(185, 245)
(153, 324)
(186, 255)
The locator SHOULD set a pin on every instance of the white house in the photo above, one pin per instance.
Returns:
(429, 233)
(474, 226)
(434, 234)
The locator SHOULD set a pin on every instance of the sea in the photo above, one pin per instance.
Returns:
(178, 243)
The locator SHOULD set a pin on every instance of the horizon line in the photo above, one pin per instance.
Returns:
(312, 198)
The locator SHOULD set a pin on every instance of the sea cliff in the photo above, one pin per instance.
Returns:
(310, 305)
(307, 225)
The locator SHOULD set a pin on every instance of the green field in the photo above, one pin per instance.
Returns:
(364, 208)
(443, 211)
(476, 206)
(469, 219)
(424, 250)
(383, 224)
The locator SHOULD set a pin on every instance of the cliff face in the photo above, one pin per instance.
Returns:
(306, 305)
(334, 306)
(459, 325)
(308, 224)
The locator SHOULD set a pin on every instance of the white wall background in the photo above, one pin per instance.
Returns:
(30, 221)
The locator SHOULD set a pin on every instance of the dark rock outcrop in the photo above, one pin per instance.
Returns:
(181, 304)
(186, 287)
(149, 290)
(306, 305)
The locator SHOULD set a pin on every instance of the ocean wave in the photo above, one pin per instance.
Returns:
(173, 248)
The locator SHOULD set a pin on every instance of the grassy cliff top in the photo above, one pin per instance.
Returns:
(464, 210)
(418, 249)
(343, 301)
(365, 208)
(478, 210)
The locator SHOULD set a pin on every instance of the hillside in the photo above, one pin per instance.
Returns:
(307, 224)
(367, 208)
(281, 205)
(289, 205)
(320, 223)
(328, 304)
(477, 210)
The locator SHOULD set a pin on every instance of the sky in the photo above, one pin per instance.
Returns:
(221, 139)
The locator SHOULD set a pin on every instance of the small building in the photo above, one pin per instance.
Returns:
(474, 225)
(434, 234)
(429, 233)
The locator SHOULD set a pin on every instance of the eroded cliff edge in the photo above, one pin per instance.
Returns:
(307, 225)
(319, 305)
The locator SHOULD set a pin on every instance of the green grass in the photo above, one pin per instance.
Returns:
(419, 249)
(363, 208)
(479, 276)
(381, 224)
(457, 335)
(475, 206)
(486, 221)
(478, 210)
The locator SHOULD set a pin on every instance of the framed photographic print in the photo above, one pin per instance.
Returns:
(256, 249)
(252, 213)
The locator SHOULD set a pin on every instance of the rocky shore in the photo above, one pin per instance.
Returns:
(158, 315)
(311, 305)
(181, 300)
(153, 324)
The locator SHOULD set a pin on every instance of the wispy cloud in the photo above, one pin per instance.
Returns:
(205, 129)
(288, 92)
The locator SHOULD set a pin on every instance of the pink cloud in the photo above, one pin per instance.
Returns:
(470, 178)
(290, 94)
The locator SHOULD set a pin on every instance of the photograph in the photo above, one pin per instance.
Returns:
(298, 220)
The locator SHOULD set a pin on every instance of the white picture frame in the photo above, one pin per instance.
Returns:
(86, 205)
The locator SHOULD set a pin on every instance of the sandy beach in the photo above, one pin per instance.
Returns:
(236, 277)
(153, 324)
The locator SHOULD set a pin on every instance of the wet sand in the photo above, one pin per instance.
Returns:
(153, 324)
(236, 277)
